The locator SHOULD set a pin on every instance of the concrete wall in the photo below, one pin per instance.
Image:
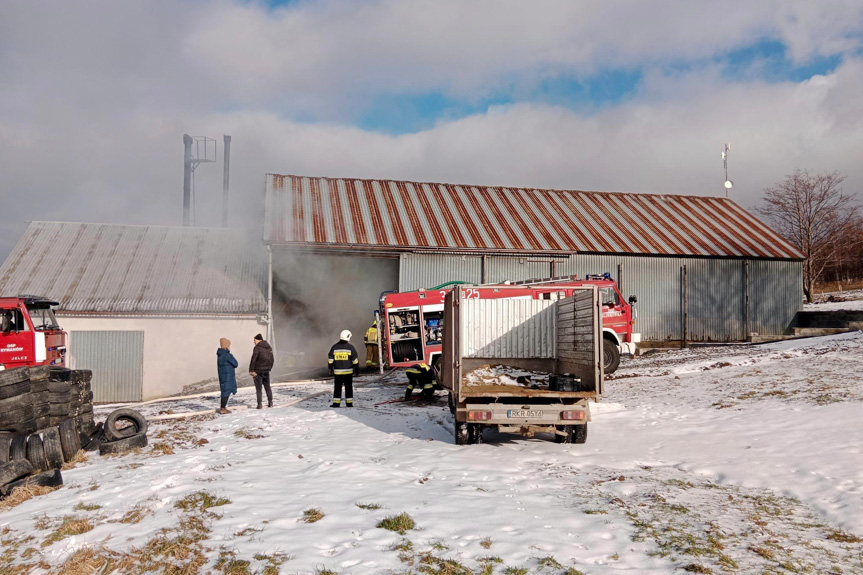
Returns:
(177, 351)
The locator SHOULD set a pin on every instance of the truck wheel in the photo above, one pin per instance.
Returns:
(461, 434)
(579, 433)
(450, 400)
(567, 438)
(610, 356)
(132, 421)
(474, 433)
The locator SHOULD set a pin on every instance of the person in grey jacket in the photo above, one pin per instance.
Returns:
(226, 364)
(260, 367)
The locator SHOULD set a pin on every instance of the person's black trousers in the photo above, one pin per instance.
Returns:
(263, 380)
(348, 382)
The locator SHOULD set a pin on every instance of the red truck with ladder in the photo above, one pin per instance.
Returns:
(29, 334)
(412, 322)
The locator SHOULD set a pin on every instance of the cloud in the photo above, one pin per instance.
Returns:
(96, 97)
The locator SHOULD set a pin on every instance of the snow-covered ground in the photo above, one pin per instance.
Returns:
(737, 459)
(851, 300)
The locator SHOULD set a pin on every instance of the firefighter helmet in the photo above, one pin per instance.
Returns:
(345, 335)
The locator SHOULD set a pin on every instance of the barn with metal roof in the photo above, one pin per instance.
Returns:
(703, 268)
(144, 306)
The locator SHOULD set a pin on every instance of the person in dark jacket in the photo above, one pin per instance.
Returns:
(344, 363)
(259, 369)
(226, 364)
(421, 376)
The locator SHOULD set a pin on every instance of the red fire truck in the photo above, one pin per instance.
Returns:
(412, 322)
(29, 334)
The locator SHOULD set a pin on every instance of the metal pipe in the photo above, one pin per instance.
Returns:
(187, 178)
(271, 332)
(685, 310)
(225, 179)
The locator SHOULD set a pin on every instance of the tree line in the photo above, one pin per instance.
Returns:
(812, 212)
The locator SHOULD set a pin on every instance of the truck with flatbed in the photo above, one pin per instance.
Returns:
(522, 365)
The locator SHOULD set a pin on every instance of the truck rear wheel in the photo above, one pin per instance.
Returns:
(461, 434)
(610, 356)
(579, 433)
(567, 437)
(450, 400)
(474, 433)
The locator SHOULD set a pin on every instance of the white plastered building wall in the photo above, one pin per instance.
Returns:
(178, 351)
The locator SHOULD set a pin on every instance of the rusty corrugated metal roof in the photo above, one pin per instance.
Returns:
(411, 215)
(104, 268)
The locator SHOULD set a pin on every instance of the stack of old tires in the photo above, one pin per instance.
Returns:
(16, 402)
(81, 398)
(36, 458)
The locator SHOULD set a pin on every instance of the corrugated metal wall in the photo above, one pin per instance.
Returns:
(116, 359)
(716, 290)
(508, 328)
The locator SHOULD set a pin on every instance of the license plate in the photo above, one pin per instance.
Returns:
(524, 414)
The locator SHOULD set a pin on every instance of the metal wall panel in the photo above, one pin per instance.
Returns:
(116, 359)
(425, 270)
(775, 295)
(499, 270)
(716, 289)
(508, 328)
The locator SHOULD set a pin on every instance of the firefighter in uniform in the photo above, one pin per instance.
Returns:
(344, 363)
(371, 340)
(420, 376)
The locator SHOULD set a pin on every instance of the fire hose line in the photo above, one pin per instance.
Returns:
(168, 416)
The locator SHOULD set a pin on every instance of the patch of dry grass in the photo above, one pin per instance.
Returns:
(21, 494)
(69, 525)
(312, 515)
(401, 523)
(161, 448)
(79, 457)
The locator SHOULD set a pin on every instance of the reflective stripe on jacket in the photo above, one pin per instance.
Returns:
(372, 335)
(343, 357)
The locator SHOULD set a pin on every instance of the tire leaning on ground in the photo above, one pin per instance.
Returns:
(610, 356)
(93, 438)
(36, 453)
(51, 478)
(123, 445)
(5, 443)
(18, 448)
(70, 441)
(13, 470)
(137, 424)
(53, 447)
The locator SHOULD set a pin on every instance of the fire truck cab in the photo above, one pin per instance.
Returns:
(412, 322)
(29, 334)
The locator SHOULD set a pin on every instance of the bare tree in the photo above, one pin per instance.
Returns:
(812, 212)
